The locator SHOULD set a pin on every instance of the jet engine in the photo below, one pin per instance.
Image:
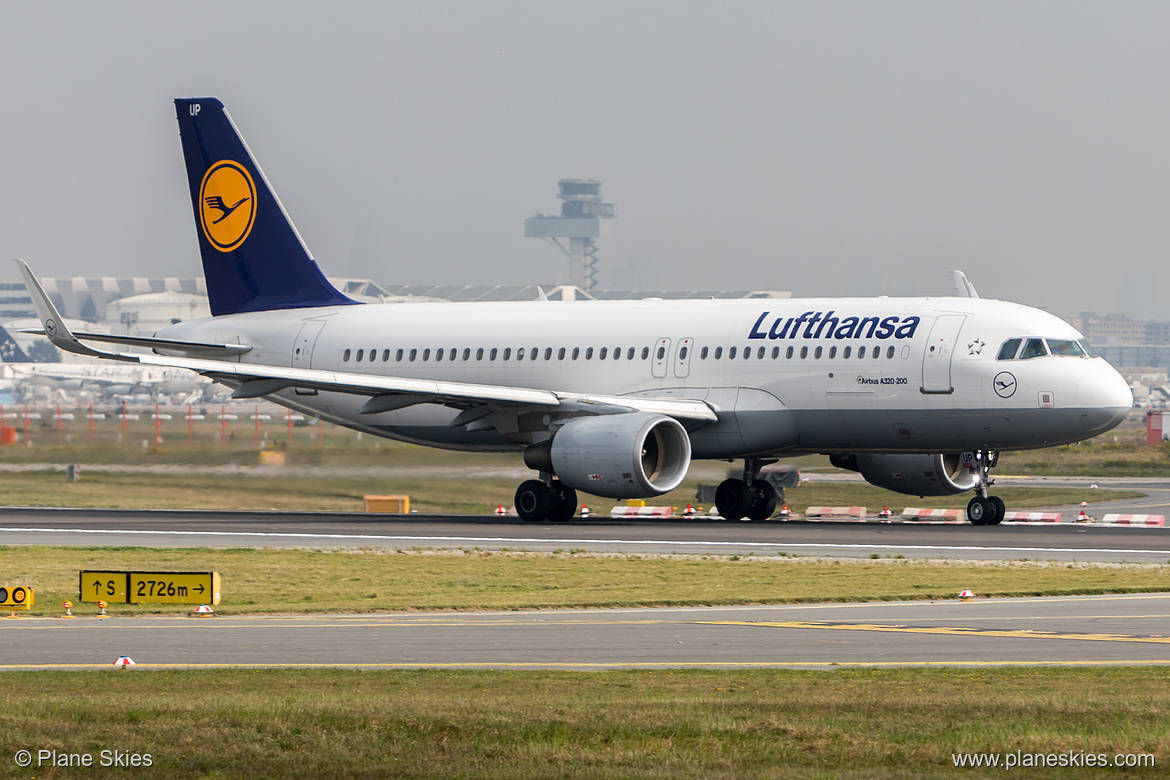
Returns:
(915, 475)
(633, 455)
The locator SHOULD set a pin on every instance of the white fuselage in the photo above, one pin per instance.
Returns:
(784, 376)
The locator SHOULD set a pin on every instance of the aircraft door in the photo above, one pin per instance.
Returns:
(940, 347)
(302, 356)
(682, 359)
(660, 358)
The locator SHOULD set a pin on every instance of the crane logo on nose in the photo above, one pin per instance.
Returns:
(1004, 384)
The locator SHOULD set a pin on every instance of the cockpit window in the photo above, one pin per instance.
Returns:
(1063, 348)
(1088, 348)
(1009, 349)
(1033, 348)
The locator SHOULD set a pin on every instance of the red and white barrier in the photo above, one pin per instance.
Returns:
(1031, 517)
(1134, 519)
(835, 511)
(641, 511)
(913, 513)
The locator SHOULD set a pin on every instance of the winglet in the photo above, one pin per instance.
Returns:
(963, 288)
(55, 327)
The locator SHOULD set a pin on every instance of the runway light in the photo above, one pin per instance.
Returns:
(966, 595)
(124, 661)
(203, 609)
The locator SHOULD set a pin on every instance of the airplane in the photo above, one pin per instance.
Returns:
(110, 378)
(615, 398)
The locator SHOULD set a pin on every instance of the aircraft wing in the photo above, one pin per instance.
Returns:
(386, 393)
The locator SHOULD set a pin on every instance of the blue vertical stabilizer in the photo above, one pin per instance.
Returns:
(253, 257)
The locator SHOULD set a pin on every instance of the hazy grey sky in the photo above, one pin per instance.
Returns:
(828, 148)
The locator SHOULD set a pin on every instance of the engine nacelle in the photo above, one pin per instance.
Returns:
(915, 475)
(634, 455)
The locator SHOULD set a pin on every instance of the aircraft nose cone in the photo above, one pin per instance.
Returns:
(1104, 399)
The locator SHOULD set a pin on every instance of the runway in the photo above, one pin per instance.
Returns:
(159, 528)
(1118, 629)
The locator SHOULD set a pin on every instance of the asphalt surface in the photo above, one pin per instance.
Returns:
(1068, 541)
(1123, 629)
(1120, 629)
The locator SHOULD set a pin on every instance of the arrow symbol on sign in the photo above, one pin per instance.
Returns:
(201, 589)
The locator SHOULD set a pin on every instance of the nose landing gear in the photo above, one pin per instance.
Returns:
(984, 509)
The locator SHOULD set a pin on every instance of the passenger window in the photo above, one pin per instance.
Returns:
(617, 353)
(561, 353)
(466, 354)
(398, 356)
(630, 353)
(426, 355)
(604, 351)
(439, 355)
(589, 353)
(760, 353)
(576, 352)
(775, 352)
(1062, 348)
(848, 351)
(360, 354)
(860, 352)
(703, 353)
(548, 353)
(731, 353)
(803, 352)
(507, 353)
(817, 354)
(1008, 350)
(532, 353)
(877, 353)
(479, 354)
(519, 354)
(385, 356)
(889, 353)
(492, 356)
(832, 352)
(661, 352)
(788, 353)
(345, 356)
(718, 352)
(645, 353)
(1033, 348)
(682, 354)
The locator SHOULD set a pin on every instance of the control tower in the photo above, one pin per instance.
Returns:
(583, 218)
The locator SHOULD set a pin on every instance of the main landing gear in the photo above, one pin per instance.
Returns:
(545, 500)
(984, 509)
(750, 497)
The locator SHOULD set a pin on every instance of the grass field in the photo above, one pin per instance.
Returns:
(894, 723)
(265, 581)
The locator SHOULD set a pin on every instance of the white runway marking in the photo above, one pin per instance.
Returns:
(561, 541)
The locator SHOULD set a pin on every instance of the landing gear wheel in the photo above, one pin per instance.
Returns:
(764, 504)
(564, 502)
(980, 511)
(733, 500)
(1000, 510)
(534, 501)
